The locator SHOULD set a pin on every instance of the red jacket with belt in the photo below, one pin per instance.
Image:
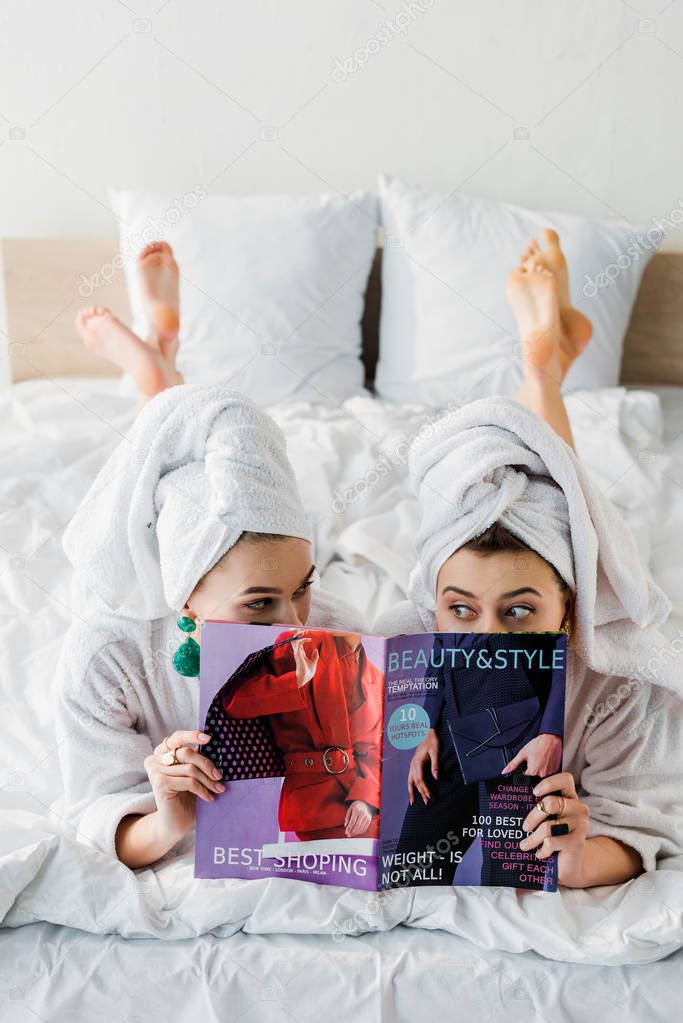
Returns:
(341, 706)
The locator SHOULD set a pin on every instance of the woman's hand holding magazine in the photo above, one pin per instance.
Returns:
(176, 785)
(581, 863)
(178, 774)
(557, 795)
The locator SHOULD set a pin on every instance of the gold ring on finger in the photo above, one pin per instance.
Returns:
(563, 801)
(540, 806)
(170, 759)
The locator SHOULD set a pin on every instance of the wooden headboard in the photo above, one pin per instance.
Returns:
(43, 278)
(42, 281)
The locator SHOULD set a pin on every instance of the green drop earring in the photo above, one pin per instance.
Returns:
(186, 657)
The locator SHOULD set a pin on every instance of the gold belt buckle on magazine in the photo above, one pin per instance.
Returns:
(326, 763)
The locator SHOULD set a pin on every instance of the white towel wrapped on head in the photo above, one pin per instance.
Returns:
(200, 466)
(496, 461)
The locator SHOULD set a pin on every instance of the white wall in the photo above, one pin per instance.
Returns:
(168, 95)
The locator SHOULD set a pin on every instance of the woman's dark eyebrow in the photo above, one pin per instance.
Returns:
(275, 589)
(503, 596)
(456, 589)
(516, 593)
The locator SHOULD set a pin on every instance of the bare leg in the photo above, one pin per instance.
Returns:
(103, 333)
(553, 333)
(534, 298)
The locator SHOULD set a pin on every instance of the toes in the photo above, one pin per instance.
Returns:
(162, 248)
(530, 253)
(86, 313)
(150, 250)
(550, 237)
(88, 316)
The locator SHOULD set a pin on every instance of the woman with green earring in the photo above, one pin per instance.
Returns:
(196, 515)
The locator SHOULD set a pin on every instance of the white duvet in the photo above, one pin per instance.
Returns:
(351, 466)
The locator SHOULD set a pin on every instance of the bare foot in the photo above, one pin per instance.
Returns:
(577, 328)
(534, 296)
(104, 334)
(158, 273)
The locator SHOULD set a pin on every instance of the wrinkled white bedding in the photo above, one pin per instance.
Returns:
(399, 977)
(351, 466)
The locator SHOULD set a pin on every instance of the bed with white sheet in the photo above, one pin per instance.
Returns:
(55, 436)
(81, 932)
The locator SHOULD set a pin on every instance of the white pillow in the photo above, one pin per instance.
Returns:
(271, 291)
(447, 331)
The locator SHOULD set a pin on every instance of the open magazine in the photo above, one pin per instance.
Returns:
(315, 733)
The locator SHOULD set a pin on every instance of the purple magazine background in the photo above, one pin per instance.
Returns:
(246, 813)
(396, 763)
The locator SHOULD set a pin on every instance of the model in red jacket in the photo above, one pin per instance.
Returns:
(323, 698)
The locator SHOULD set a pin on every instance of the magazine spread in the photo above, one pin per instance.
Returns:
(377, 763)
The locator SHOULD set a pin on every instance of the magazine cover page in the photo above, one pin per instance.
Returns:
(296, 721)
(459, 709)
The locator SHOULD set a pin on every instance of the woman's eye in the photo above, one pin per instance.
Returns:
(519, 611)
(258, 605)
(303, 590)
(462, 611)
